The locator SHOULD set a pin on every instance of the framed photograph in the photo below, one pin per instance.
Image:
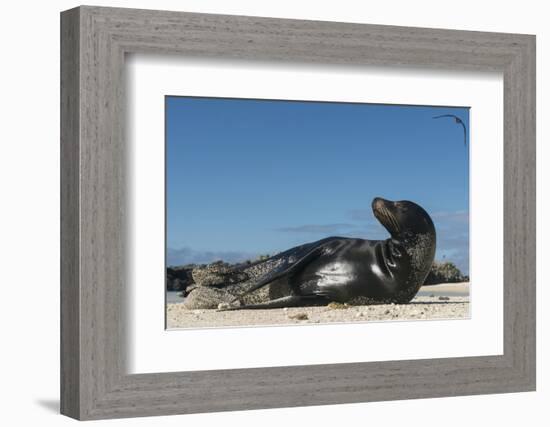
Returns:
(277, 213)
(237, 226)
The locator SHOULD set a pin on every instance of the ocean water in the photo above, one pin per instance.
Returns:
(173, 297)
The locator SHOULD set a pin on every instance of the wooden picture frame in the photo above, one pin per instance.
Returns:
(94, 41)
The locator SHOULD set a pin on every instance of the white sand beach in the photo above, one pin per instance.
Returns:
(445, 301)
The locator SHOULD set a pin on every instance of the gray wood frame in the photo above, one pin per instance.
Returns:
(94, 383)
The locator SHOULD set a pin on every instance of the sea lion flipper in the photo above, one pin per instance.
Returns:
(285, 270)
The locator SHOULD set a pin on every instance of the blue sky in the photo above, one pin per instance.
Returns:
(248, 177)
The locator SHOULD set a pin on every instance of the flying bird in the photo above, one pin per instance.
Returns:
(458, 120)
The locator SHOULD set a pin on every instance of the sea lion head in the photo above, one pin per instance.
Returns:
(412, 241)
(411, 228)
(403, 219)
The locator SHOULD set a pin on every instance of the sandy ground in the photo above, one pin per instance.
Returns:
(447, 301)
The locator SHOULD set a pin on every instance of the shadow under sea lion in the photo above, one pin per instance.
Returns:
(346, 270)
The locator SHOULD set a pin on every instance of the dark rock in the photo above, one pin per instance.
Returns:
(178, 278)
(444, 272)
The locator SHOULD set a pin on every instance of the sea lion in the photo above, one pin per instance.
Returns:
(351, 270)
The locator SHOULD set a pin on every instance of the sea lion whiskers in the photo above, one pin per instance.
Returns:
(391, 218)
(381, 215)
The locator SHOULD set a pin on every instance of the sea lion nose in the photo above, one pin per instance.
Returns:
(377, 203)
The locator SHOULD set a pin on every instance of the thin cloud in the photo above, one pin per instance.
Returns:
(187, 255)
(369, 233)
(456, 216)
(317, 228)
